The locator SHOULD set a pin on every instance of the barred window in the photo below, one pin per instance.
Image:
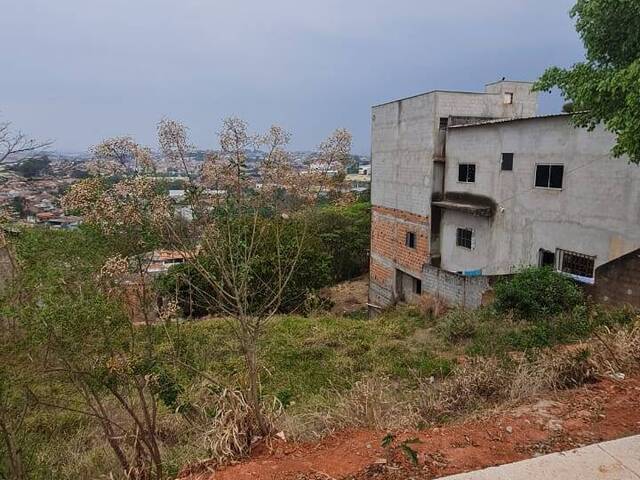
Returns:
(576, 263)
(466, 172)
(464, 238)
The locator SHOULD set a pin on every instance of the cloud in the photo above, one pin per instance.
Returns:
(78, 70)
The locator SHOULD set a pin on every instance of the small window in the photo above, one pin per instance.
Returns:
(576, 263)
(549, 176)
(464, 238)
(507, 162)
(466, 172)
(410, 240)
(444, 123)
(417, 286)
(508, 98)
(546, 258)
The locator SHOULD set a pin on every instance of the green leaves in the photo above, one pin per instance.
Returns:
(606, 88)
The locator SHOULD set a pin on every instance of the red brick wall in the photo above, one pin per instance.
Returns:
(380, 274)
(388, 232)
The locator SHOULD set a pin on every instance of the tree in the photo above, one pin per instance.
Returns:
(247, 238)
(33, 167)
(605, 88)
(14, 142)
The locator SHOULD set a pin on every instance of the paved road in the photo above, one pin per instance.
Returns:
(615, 460)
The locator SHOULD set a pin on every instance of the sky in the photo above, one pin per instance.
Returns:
(78, 71)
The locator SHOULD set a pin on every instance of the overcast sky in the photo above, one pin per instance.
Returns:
(80, 70)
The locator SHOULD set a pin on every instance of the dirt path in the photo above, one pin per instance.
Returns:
(348, 297)
(603, 411)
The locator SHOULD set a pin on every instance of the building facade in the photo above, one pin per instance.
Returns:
(467, 187)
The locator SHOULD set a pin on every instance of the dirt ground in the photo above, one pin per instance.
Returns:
(606, 410)
(348, 297)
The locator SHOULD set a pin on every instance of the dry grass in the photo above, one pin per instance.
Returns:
(476, 385)
(233, 429)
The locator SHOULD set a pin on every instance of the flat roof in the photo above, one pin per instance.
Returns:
(508, 120)
(451, 91)
(430, 92)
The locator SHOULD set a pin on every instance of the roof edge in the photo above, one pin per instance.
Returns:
(508, 120)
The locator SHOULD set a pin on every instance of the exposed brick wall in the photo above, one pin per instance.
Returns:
(618, 282)
(380, 274)
(388, 232)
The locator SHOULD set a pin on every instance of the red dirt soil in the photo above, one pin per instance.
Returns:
(606, 410)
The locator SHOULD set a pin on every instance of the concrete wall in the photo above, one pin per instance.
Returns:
(454, 289)
(617, 282)
(404, 139)
(597, 212)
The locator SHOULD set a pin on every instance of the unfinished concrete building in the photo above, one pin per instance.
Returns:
(468, 187)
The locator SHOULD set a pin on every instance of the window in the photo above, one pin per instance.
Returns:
(576, 263)
(444, 123)
(410, 240)
(549, 176)
(417, 286)
(508, 98)
(464, 238)
(507, 162)
(546, 258)
(466, 172)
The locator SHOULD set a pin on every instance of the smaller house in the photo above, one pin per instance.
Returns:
(160, 261)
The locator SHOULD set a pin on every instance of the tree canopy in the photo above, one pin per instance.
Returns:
(605, 88)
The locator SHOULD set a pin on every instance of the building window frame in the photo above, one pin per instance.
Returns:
(465, 238)
(467, 173)
(508, 98)
(550, 166)
(410, 239)
(417, 286)
(506, 165)
(577, 265)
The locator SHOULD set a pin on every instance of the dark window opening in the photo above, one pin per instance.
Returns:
(576, 263)
(547, 258)
(444, 123)
(507, 162)
(417, 286)
(466, 172)
(508, 98)
(464, 238)
(549, 176)
(410, 240)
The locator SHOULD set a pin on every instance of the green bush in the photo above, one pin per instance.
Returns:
(536, 292)
(344, 234)
(458, 325)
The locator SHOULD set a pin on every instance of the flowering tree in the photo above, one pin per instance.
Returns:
(247, 236)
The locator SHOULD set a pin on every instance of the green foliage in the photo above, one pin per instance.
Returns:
(537, 292)
(336, 245)
(606, 87)
(344, 233)
(496, 334)
(458, 324)
(33, 167)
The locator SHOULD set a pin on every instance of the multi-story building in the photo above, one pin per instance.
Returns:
(467, 187)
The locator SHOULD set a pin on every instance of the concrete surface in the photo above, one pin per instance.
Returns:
(614, 460)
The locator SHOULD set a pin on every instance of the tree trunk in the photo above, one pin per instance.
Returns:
(253, 393)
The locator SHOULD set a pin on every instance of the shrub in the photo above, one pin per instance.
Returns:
(458, 325)
(344, 234)
(537, 292)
